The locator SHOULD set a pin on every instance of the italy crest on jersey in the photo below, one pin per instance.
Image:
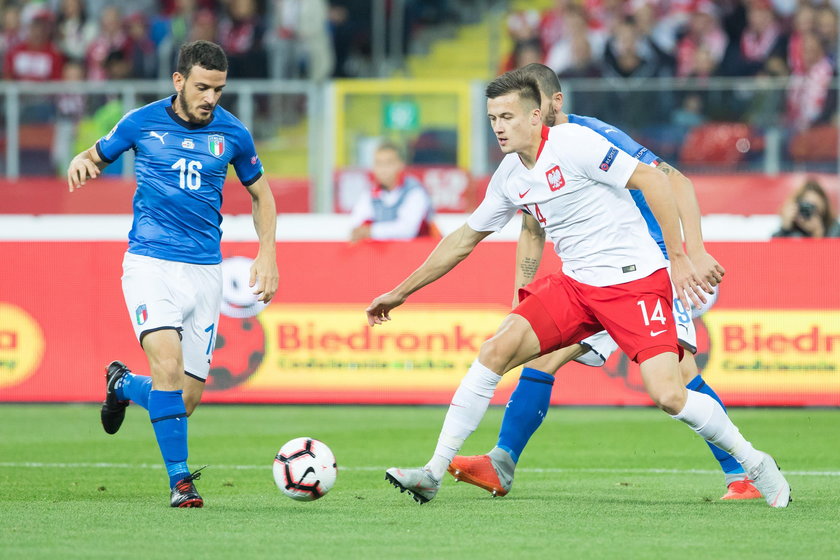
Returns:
(216, 143)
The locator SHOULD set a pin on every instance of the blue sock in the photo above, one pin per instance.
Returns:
(525, 411)
(169, 420)
(727, 462)
(135, 388)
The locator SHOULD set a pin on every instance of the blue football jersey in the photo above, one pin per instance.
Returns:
(626, 144)
(180, 168)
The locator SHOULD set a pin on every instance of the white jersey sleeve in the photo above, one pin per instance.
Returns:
(496, 210)
(593, 156)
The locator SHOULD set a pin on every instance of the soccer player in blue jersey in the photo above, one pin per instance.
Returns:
(529, 402)
(172, 279)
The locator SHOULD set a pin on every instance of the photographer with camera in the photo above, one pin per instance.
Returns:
(808, 214)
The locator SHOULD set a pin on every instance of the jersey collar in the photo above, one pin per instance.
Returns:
(186, 124)
(544, 136)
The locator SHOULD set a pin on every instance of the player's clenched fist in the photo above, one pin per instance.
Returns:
(80, 170)
(378, 311)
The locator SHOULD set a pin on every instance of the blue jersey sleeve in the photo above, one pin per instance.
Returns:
(618, 137)
(623, 142)
(121, 138)
(246, 163)
(626, 144)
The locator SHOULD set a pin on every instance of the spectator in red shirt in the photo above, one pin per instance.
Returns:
(552, 26)
(761, 40)
(804, 22)
(703, 32)
(808, 89)
(37, 57)
(241, 35)
(111, 37)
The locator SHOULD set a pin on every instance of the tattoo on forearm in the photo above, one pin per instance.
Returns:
(529, 267)
(668, 169)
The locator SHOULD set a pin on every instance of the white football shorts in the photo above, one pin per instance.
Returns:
(161, 294)
(601, 344)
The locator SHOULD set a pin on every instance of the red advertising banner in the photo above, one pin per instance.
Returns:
(452, 190)
(773, 337)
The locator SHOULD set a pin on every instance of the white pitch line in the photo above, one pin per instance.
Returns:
(36, 465)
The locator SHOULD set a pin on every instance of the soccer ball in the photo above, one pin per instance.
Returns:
(305, 469)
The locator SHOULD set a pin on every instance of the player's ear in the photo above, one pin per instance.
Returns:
(557, 100)
(536, 117)
(178, 81)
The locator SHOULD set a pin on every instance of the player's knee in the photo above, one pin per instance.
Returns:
(670, 400)
(168, 372)
(495, 353)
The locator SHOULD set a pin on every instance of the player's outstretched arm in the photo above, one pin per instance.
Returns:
(683, 190)
(451, 250)
(529, 251)
(264, 273)
(86, 165)
(657, 191)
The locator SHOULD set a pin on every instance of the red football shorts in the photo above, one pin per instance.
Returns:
(638, 314)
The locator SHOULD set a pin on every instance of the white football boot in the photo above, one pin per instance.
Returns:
(767, 477)
(418, 482)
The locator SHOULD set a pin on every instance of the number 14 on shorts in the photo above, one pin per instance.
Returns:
(656, 315)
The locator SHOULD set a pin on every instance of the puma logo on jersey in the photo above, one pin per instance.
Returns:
(555, 178)
(158, 136)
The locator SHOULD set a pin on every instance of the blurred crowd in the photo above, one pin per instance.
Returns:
(105, 39)
(702, 39)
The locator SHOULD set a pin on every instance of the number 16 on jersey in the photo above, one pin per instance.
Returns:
(189, 175)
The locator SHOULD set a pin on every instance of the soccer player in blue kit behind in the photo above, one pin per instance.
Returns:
(530, 400)
(172, 279)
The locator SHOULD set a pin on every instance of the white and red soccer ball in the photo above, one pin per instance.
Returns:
(305, 469)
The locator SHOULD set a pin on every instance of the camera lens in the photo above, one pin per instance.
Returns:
(806, 209)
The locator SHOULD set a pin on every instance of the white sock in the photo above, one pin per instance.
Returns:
(467, 409)
(706, 417)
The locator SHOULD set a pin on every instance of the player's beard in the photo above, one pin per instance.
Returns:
(551, 116)
(192, 117)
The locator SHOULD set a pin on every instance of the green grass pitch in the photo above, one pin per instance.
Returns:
(594, 483)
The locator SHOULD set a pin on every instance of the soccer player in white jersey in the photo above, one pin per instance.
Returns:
(614, 277)
(172, 279)
(529, 402)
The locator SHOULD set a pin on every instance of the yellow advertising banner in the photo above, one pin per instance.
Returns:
(774, 351)
(316, 346)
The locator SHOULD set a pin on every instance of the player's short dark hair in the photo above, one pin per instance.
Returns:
(515, 81)
(546, 77)
(388, 145)
(209, 56)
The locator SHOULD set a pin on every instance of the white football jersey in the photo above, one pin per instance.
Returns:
(577, 192)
